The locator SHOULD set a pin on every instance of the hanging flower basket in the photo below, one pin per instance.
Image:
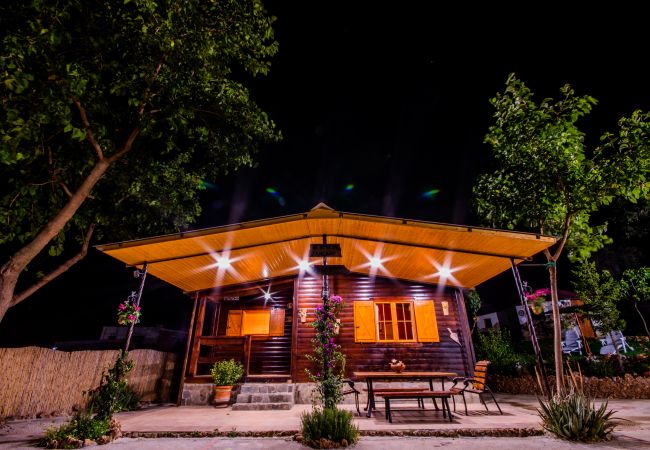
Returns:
(128, 313)
(537, 299)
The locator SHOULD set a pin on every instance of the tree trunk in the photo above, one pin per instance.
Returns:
(8, 279)
(557, 329)
(645, 325)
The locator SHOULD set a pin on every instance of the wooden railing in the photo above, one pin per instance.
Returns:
(210, 349)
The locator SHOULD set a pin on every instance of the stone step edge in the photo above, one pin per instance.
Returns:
(459, 432)
(261, 406)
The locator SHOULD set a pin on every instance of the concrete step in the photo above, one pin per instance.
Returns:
(266, 398)
(261, 406)
(266, 388)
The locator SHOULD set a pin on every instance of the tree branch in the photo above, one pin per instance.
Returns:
(58, 271)
(89, 132)
(565, 236)
(68, 192)
(126, 147)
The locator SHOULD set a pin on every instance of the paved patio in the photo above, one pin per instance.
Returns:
(519, 418)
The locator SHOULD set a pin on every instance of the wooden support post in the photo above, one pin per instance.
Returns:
(247, 354)
(198, 331)
(188, 345)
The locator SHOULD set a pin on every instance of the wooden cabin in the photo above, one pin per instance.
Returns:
(255, 289)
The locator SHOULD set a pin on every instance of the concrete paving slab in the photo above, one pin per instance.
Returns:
(520, 413)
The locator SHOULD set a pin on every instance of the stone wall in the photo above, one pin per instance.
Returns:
(628, 386)
(202, 394)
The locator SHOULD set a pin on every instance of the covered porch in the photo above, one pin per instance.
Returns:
(255, 289)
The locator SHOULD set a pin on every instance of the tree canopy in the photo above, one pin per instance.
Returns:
(546, 180)
(116, 113)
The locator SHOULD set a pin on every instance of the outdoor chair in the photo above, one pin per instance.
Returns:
(352, 390)
(619, 341)
(474, 385)
(571, 342)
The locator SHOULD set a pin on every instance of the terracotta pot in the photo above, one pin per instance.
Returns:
(222, 395)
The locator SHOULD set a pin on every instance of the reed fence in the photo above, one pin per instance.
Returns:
(37, 381)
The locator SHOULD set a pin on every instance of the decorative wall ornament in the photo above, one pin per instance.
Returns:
(454, 336)
(302, 313)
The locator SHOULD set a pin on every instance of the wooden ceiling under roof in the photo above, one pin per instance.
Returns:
(410, 250)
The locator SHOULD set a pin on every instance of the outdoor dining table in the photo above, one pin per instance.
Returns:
(370, 377)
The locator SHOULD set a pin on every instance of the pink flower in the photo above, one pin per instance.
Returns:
(122, 307)
(137, 308)
(131, 317)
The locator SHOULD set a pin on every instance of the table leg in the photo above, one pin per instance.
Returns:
(371, 397)
(446, 401)
(435, 405)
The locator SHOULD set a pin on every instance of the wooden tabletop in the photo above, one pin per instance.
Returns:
(405, 374)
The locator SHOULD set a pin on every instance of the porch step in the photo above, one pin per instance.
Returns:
(261, 406)
(264, 396)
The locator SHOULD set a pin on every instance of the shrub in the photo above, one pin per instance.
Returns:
(227, 372)
(82, 426)
(574, 417)
(113, 394)
(495, 346)
(328, 428)
(601, 366)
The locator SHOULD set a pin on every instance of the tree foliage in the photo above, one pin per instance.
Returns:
(601, 293)
(116, 113)
(636, 283)
(473, 305)
(547, 181)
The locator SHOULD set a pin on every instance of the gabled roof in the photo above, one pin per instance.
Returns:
(263, 249)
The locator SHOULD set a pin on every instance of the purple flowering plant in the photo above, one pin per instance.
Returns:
(327, 357)
(128, 313)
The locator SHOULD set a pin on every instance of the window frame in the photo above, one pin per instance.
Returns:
(394, 321)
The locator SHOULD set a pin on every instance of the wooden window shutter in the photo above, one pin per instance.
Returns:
(276, 326)
(233, 326)
(425, 321)
(364, 321)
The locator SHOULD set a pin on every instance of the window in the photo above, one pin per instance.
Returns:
(255, 322)
(269, 322)
(389, 320)
(394, 321)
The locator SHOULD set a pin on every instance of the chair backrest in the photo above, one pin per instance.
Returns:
(480, 373)
(618, 335)
(571, 336)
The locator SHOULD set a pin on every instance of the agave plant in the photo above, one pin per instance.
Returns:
(574, 417)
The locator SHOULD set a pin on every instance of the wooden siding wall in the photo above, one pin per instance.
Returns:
(268, 355)
(35, 380)
(445, 355)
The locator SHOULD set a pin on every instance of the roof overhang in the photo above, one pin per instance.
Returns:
(412, 250)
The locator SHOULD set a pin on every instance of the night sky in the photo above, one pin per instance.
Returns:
(379, 104)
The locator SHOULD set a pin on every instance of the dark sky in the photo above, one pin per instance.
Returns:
(390, 97)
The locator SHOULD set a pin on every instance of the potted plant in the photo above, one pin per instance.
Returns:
(224, 375)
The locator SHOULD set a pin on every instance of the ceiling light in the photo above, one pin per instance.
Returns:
(375, 262)
(444, 272)
(223, 262)
(303, 265)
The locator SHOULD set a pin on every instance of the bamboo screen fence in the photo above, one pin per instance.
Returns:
(39, 381)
